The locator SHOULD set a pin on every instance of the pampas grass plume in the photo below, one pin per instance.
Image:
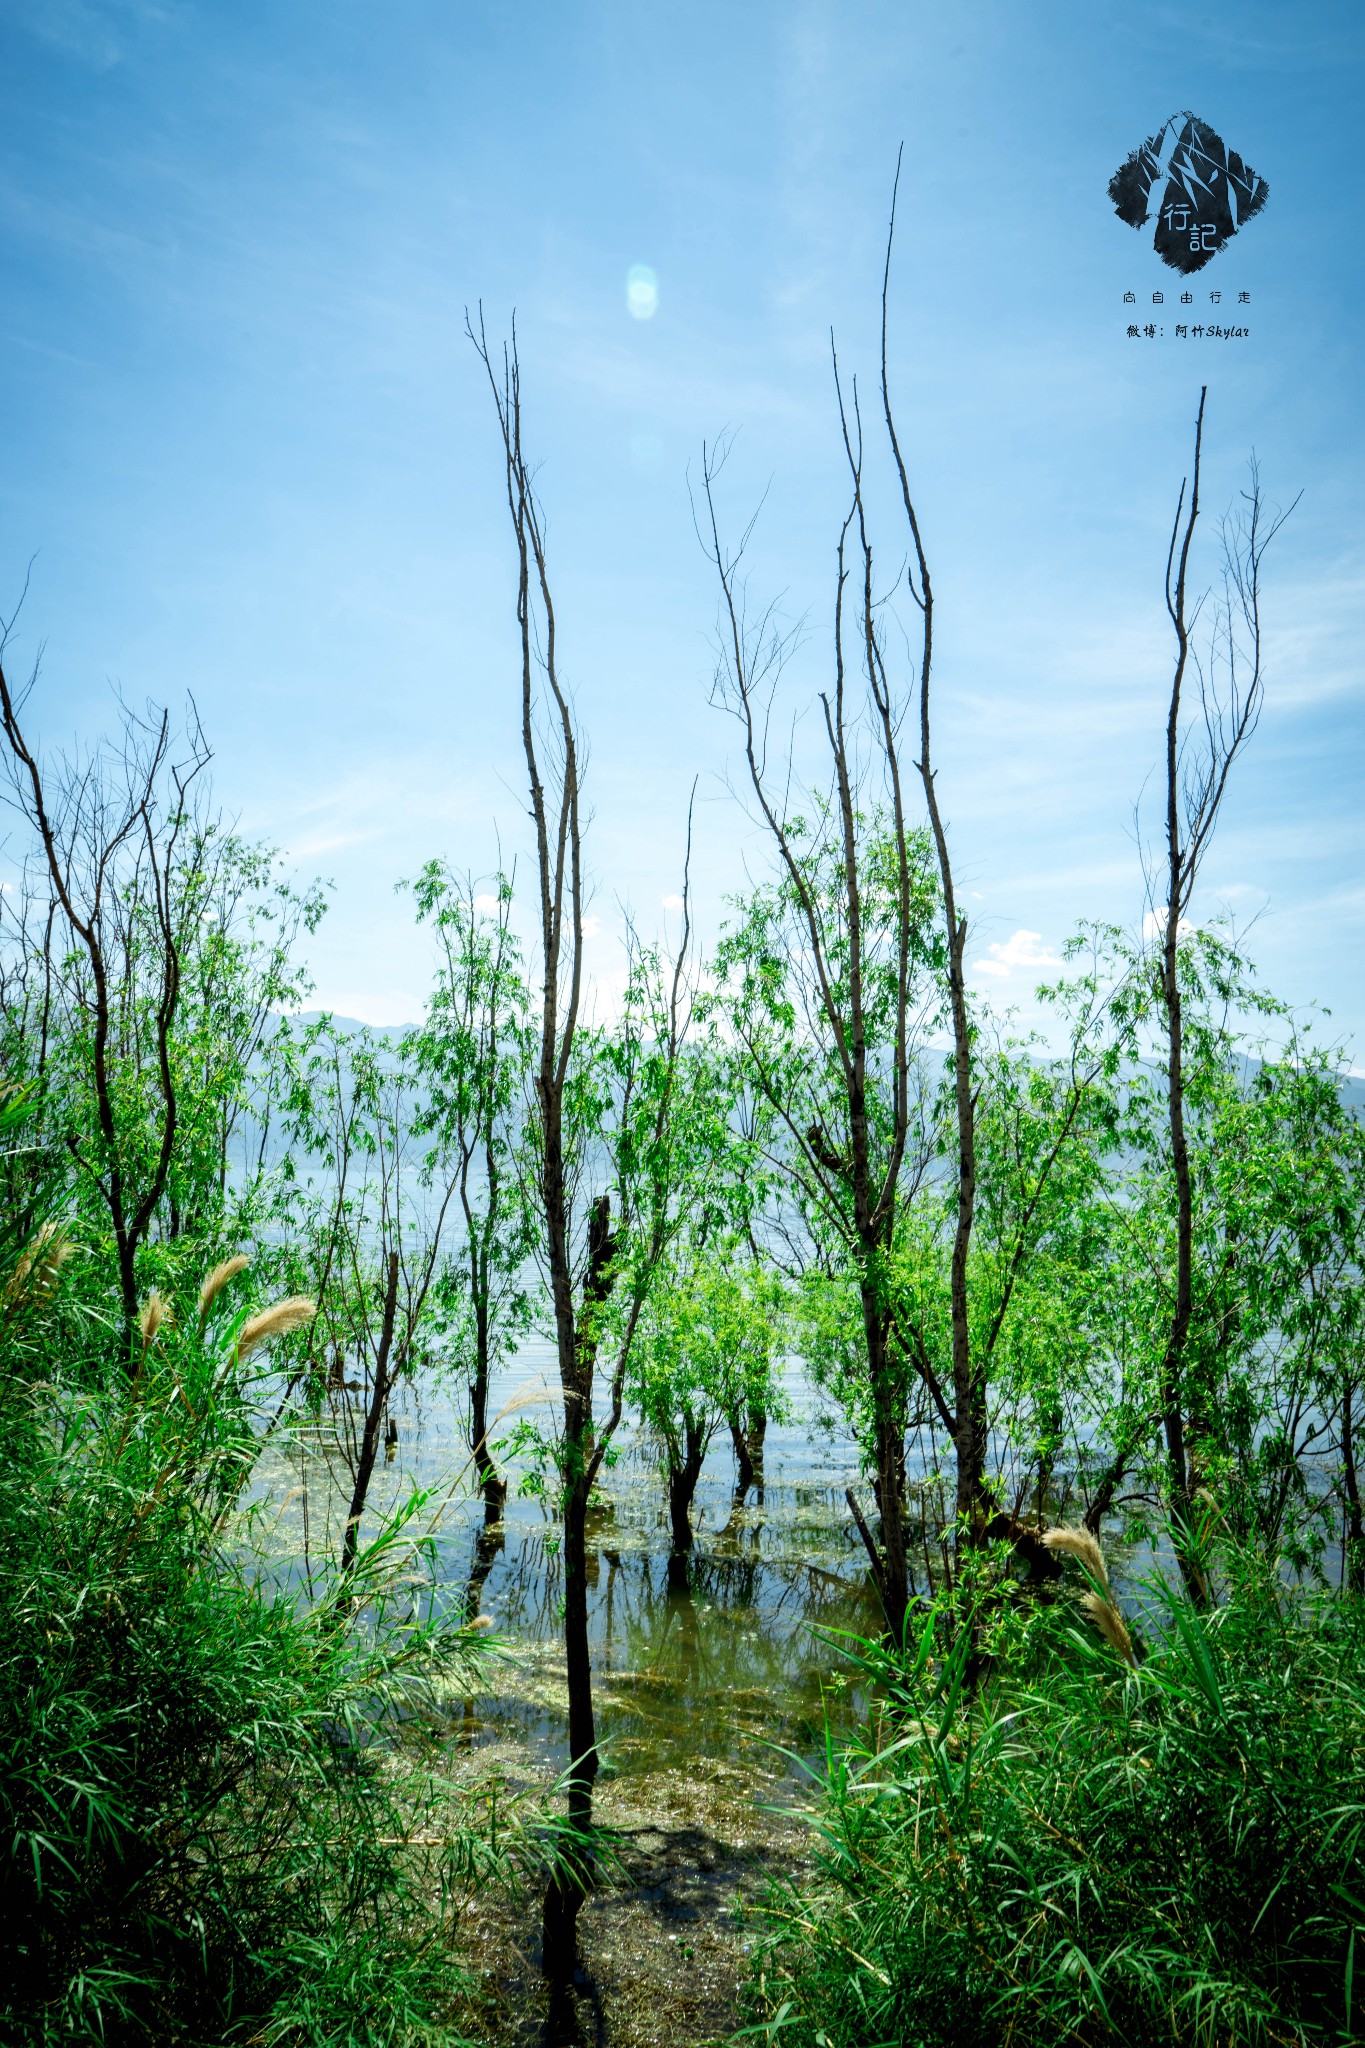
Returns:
(36, 1269)
(290, 1314)
(217, 1280)
(154, 1313)
(1081, 1544)
(1111, 1625)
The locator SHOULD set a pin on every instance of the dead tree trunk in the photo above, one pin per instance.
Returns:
(969, 1376)
(1230, 690)
(558, 828)
(1177, 893)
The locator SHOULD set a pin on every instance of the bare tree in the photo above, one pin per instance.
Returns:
(1228, 674)
(577, 1299)
(122, 853)
(588, 1257)
(968, 1423)
(862, 1179)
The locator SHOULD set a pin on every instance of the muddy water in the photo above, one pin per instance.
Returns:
(714, 1656)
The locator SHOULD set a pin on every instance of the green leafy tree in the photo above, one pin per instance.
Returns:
(143, 971)
(370, 1224)
(472, 1055)
(709, 1355)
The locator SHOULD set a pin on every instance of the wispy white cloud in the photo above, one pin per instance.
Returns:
(308, 845)
(1023, 949)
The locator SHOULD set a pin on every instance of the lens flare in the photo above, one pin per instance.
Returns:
(642, 292)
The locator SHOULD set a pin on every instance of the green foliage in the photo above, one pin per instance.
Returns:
(1174, 1855)
(207, 1826)
(234, 921)
(774, 996)
(217, 1819)
(220, 1818)
(711, 1344)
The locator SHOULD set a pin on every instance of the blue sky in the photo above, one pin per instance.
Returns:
(250, 451)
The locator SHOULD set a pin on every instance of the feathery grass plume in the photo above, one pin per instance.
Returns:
(1111, 1625)
(1212, 1511)
(290, 1314)
(155, 1311)
(36, 1269)
(1080, 1543)
(217, 1280)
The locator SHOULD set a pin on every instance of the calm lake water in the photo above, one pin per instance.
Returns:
(709, 1656)
(716, 1657)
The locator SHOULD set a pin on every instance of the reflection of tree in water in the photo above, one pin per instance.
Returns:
(711, 1640)
(490, 1540)
(699, 1653)
(681, 1617)
(741, 1528)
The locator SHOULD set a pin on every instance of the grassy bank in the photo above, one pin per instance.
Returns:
(1092, 1852)
(219, 1818)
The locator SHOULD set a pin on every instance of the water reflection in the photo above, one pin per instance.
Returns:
(707, 1650)
(696, 1654)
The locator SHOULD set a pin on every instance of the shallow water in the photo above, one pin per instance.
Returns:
(714, 1662)
(717, 1656)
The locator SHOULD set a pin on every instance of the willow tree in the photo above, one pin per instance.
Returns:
(472, 1052)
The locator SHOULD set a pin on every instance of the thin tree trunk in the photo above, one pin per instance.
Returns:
(1354, 1574)
(1179, 881)
(969, 1379)
(491, 1484)
(889, 1423)
(369, 1440)
(565, 1893)
(682, 1484)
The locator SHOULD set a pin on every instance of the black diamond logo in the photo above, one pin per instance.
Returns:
(1199, 189)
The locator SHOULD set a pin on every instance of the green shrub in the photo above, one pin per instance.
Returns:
(1171, 1855)
(208, 1829)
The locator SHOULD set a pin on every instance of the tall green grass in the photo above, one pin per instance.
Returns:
(216, 1821)
(1095, 1855)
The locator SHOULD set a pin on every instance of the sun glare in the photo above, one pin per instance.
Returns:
(642, 292)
